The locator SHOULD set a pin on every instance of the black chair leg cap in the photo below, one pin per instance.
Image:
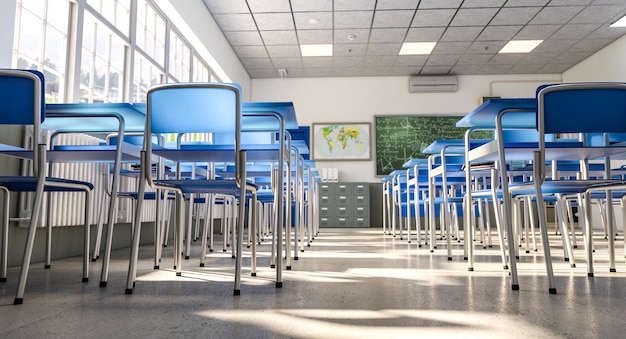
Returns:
(506, 267)
(128, 291)
(449, 258)
(18, 301)
(464, 258)
(202, 265)
(47, 267)
(552, 290)
(156, 267)
(103, 284)
(279, 284)
(272, 266)
(288, 268)
(612, 270)
(3, 279)
(295, 258)
(566, 259)
(186, 257)
(589, 275)
(93, 260)
(85, 280)
(515, 287)
(470, 269)
(253, 274)
(211, 250)
(237, 292)
(572, 266)
(178, 274)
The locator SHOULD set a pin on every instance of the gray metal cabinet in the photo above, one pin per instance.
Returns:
(344, 204)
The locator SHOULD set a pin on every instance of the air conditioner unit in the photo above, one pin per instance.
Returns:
(433, 83)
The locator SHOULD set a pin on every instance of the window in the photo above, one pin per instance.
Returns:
(43, 38)
(102, 63)
(40, 41)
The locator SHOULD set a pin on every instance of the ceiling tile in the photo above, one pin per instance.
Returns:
(474, 59)
(557, 46)
(515, 16)
(274, 21)
(361, 36)
(324, 20)
(491, 33)
(351, 50)
(571, 57)
(317, 62)
(465, 69)
(590, 45)
(256, 62)
(554, 68)
(411, 60)
(351, 5)
(569, 2)
(525, 68)
(597, 14)
(311, 6)
(250, 51)
(384, 49)
(461, 33)
(424, 34)
(495, 69)
(453, 47)
(555, 15)
(244, 38)
(574, 31)
(315, 36)
(287, 62)
(396, 4)
(525, 3)
(539, 57)
(442, 60)
(536, 32)
(433, 17)
(262, 73)
(287, 51)
(227, 6)
(507, 59)
(485, 47)
(387, 35)
(434, 70)
(348, 61)
(393, 18)
(379, 60)
(275, 6)
(473, 16)
(605, 32)
(235, 22)
(359, 19)
(424, 4)
(279, 37)
(482, 3)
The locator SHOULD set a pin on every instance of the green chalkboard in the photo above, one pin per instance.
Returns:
(399, 138)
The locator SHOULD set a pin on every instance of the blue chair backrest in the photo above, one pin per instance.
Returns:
(17, 95)
(194, 107)
(582, 108)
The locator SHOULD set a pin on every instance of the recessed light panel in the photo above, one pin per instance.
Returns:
(620, 23)
(316, 50)
(416, 48)
(520, 46)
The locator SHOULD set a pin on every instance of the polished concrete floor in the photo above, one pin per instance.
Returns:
(351, 283)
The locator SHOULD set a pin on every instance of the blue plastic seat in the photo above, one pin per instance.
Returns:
(193, 108)
(23, 104)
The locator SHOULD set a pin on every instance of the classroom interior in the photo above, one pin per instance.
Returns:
(351, 282)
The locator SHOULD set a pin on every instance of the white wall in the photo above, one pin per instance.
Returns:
(609, 64)
(360, 99)
(7, 20)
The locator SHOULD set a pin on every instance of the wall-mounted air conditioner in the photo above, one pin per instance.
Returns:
(433, 83)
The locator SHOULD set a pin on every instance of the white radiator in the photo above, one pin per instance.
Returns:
(67, 209)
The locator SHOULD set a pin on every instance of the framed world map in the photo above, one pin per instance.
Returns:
(341, 141)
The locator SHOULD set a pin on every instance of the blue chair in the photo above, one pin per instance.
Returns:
(23, 104)
(193, 108)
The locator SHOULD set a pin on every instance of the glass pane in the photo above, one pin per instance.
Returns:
(55, 56)
(31, 36)
(85, 75)
(34, 6)
(58, 14)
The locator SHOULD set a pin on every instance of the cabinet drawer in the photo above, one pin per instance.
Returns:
(342, 211)
(361, 188)
(325, 189)
(325, 210)
(343, 188)
(361, 199)
(325, 222)
(361, 221)
(326, 200)
(343, 199)
(360, 211)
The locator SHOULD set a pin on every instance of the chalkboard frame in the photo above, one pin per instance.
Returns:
(384, 163)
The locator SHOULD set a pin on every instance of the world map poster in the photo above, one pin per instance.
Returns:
(341, 141)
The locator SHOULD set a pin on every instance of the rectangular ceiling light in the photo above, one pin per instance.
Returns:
(520, 46)
(415, 48)
(316, 50)
(620, 23)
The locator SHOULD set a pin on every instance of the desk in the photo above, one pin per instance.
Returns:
(504, 114)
